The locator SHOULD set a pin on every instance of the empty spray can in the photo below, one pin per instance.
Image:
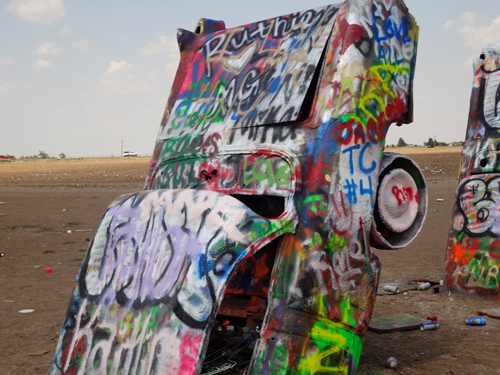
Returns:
(475, 321)
(391, 288)
(424, 286)
(428, 326)
(392, 363)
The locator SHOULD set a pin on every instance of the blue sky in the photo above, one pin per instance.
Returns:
(77, 76)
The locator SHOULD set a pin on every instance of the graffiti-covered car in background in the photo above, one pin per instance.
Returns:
(473, 252)
(267, 186)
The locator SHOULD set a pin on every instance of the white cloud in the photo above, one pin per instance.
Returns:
(48, 49)
(66, 31)
(449, 24)
(8, 88)
(118, 68)
(118, 78)
(41, 11)
(164, 44)
(81, 46)
(42, 64)
(474, 33)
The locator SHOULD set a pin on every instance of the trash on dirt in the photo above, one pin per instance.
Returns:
(41, 352)
(403, 322)
(2, 202)
(404, 284)
(26, 311)
(48, 270)
(2, 254)
(492, 313)
(83, 230)
(424, 286)
(430, 281)
(435, 289)
(391, 288)
(440, 200)
(37, 266)
(3, 214)
(9, 301)
(432, 318)
(69, 231)
(475, 321)
(429, 326)
(392, 363)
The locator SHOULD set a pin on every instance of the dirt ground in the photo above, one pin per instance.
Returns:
(44, 200)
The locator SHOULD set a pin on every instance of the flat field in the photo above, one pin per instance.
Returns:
(46, 199)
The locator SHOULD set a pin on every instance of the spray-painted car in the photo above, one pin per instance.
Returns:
(473, 253)
(267, 186)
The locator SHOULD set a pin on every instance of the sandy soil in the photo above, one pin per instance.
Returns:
(43, 200)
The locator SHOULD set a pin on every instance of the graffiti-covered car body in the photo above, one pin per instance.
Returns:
(473, 252)
(267, 186)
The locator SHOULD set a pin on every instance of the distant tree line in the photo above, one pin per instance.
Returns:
(433, 142)
(430, 143)
(41, 155)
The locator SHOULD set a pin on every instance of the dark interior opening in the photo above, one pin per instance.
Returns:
(241, 313)
(305, 109)
(268, 206)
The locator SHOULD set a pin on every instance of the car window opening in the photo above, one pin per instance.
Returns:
(268, 206)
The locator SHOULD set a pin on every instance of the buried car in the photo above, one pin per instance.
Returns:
(267, 186)
(473, 255)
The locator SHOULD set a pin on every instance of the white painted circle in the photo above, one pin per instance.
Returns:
(398, 200)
